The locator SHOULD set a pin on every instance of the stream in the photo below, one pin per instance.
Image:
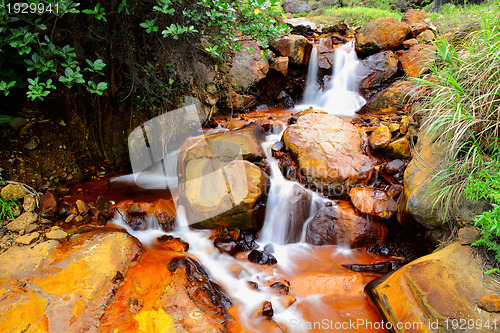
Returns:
(317, 293)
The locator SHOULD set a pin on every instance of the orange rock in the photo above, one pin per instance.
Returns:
(373, 202)
(414, 17)
(297, 48)
(418, 59)
(380, 138)
(384, 33)
(490, 303)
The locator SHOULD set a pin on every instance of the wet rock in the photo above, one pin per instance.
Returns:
(56, 233)
(414, 17)
(399, 148)
(379, 35)
(27, 239)
(445, 284)
(13, 191)
(297, 48)
(21, 222)
(222, 195)
(63, 289)
(138, 222)
(409, 43)
(468, 235)
(267, 309)
(288, 300)
(262, 258)
(418, 196)
(29, 203)
(225, 246)
(329, 151)
(418, 59)
(326, 54)
(377, 69)
(378, 268)
(269, 248)
(248, 66)
(394, 190)
(393, 166)
(380, 138)
(281, 288)
(280, 64)
(81, 207)
(246, 242)
(300, 25)
(342, 225)
(426, 36)
(238, 102)
(393, 127)
(241, 143)
(396, 97)
(166, 221)
(373, 202)
(48, 205)
(490, 303)
(171, 243)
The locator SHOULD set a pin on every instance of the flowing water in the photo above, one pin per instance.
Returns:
(339, 95)
(327, 295)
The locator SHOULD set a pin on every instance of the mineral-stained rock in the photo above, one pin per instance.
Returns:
(329, 151)
(418, 59)
(380, 138)
(27, 239)
(221, 195)
(343, 225)
(392, 99)
(13, 191)
(399, 148)
(426, 36)
(414, 17)
(468, 235)
(434, 291)
(56, 233)
(490, 303)
(297, 48)
(29, 203)
(373, 202)
(63, 289)
(248, 66)
(48, 205)
(382, 34)
(22, 221)
(280, 64)
(377, 69)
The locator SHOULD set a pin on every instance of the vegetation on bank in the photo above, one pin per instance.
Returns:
(463, 111)
(353, 16)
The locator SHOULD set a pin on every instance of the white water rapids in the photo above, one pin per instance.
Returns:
(339, 97)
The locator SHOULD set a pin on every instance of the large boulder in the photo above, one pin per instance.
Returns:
(296, 6)
(418, 190)
(329, 151)
(382, 34)
(249, 66)
(414, 17)
(63, 288)
(215, 194)
(342, 225)
(376, 69)
(243, 143)
(418, 59)
(436, 293)
(396, 97)
(297, 48)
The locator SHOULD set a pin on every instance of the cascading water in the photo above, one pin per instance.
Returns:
(339, 96)
(284, 231)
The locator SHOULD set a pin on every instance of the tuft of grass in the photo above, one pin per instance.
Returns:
(451, 16)
(462, 111)
(353, 16)
(7, 208)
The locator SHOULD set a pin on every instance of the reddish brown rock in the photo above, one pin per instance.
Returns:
(373, 202)
(409, 43)
(490, 303)
(329, 151)
(399, 148)
(396, 97)
(380, 138)
(468, 235)
(48, 205)
(297, 48)
(418, 59)
(249, 66)
(13, 191)
(343, 225)
(280, 64)
(414, 17)
(238, 102)
(377, 69)
(384, 33)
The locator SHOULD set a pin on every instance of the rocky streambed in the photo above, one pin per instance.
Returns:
(281, 220)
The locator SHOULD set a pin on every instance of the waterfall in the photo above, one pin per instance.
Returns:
(339, 96)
